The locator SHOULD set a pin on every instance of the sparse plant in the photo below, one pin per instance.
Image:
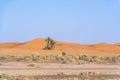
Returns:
(64, 58)
(57, 58)
(61, 74)
(74, 78)
(89, 73)
(4, 76)
(114, 59)
(63, 54)
(7, 57)
(25, 58)
(31, 65)
(34, 57)
(83, 57)
(50, 44)
(83, 74)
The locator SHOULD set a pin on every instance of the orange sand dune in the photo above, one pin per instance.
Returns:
(10, 45)
(117, 44)
(36, 44)
(36, 47)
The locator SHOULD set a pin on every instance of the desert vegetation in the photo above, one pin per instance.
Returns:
(31, 65)
(5, 76)
(50, 44)
(59, 76)
(63, 58)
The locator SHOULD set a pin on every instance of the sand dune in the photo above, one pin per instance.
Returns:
(10, 45)
(37, 45)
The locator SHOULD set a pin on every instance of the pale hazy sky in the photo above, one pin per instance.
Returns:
(80, 21)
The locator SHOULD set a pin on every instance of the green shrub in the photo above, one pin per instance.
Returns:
(31, 65)
(50, 44)
(61, 74)
(114, 59)
(73, 78)
(89, 73)
(7, 57)
(84, 58)
(26, 58)
(63, 53)
(4, 76)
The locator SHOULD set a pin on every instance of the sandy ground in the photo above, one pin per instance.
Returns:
(26, 52)
(36, 46)
(20, 68)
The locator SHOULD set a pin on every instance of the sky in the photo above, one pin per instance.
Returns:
(79, 21)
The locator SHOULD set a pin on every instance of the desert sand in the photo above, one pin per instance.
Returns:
(20, 68)
(36, 46)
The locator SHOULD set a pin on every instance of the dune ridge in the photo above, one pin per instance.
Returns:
(37, 45)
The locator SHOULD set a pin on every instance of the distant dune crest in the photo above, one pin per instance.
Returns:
(39, 43)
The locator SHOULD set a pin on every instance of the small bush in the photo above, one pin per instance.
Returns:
(4, 76)
(63, 53)
(7, 57)
(72, 79)
(114, 59)
(31, 65)
(89, 73)
(61, 74)
(25, 58)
